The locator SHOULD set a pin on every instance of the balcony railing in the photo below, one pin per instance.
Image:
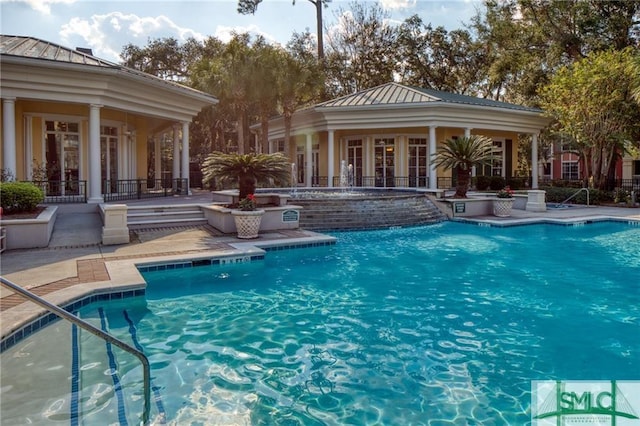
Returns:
(135, 189)
(62, 192)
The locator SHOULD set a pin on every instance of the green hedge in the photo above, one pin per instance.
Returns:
(497, 183)
(557, 194)
(19, 197)
(516, 183)
(482, 182)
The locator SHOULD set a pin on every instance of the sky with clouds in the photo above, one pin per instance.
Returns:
(107, 25)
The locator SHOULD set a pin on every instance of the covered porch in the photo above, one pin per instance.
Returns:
(386, 136)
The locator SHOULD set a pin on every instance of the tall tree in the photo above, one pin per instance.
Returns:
(361, 50)
(434, 58)
(167, 58)
(246, 7)
(298, 84)
(231, 76)
(528, 40)
(592, 102)
(266, 77)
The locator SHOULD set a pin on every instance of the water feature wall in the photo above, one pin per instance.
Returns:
(342, 209)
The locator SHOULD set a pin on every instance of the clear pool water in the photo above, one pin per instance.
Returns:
(444, 324)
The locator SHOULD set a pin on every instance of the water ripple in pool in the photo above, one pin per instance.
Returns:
(381, 329)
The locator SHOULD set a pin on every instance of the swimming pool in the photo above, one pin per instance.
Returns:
(446, 322)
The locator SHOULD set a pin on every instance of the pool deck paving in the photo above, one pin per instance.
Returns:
(75, 263)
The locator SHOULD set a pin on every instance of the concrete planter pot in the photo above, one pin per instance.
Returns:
(247, 222)
(274, 219)
(502, 207)
(30, 233)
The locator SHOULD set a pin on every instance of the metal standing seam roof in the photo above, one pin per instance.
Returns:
(30, 47)
(34, 48)
(396, 94)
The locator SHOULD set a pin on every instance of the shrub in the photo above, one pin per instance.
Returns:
(555, 194)
(621, 195)
(482, 182)
(19, 197)
(497, 183)
(516, 183)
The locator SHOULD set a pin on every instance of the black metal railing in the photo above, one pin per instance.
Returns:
(63, 192)
(135, 189)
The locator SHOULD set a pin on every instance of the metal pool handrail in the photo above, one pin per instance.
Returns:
(576, 193)
(146, 372)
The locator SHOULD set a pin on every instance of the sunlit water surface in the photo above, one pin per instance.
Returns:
(437, 325)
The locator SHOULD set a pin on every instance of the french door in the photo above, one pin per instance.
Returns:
(384, 162)
(62, 155)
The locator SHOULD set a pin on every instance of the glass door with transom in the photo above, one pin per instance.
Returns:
(384, 162)
(418, 162)
(109, 158)
(354, 158)
(62, 155)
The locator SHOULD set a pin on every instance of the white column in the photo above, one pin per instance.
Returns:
(176, 151)
(433, 177)
(308, 155)
(28, 146)
(9, 136)
(330, 159)
(95, 172)
(185, 154)
(368, 156)
(534, 161)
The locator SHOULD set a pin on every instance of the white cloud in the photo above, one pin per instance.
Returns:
(397, 4)
(107, 34)
(42, 6)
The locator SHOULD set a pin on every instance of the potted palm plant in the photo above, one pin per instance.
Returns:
(462, 154)
(246, 171)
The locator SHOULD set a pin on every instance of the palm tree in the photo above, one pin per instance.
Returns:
(462, 154)
(230, 76)
(298, 84)
(246, 170)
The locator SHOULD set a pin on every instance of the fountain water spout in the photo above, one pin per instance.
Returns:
(344, 175)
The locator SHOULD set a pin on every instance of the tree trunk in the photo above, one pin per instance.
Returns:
(288, 145)
(240, 131)
(246, 185)
(463, 183)
(319, 4)
(264, 134)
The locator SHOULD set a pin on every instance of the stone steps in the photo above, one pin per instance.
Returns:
(165, 216)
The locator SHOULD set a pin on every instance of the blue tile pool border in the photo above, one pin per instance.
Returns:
(49, 318)
(566, 223)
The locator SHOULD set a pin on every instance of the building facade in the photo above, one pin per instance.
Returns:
(71, 118)
(387, 135)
